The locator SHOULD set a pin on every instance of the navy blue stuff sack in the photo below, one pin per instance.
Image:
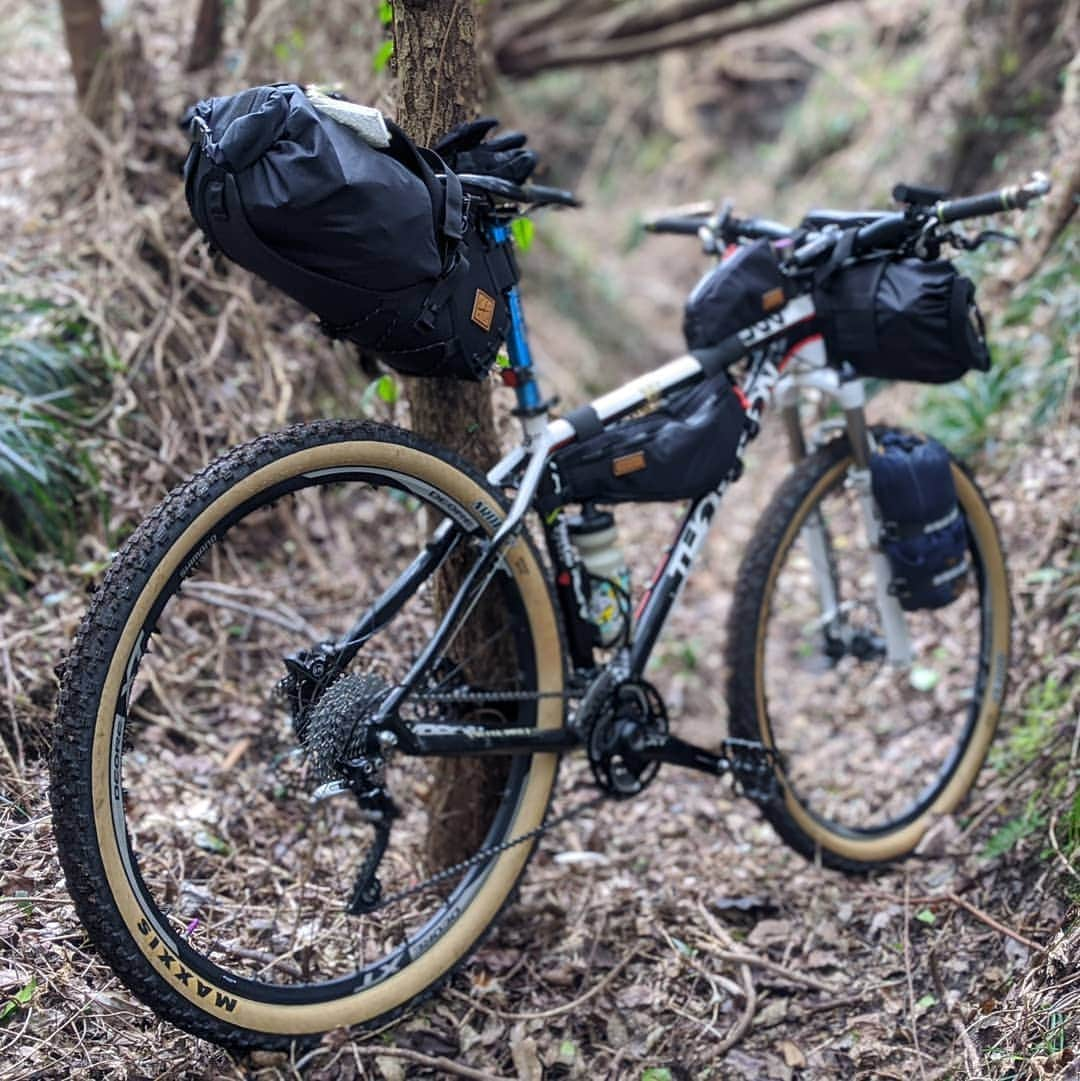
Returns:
(923, 531)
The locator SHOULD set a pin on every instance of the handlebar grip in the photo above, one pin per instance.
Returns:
(886, 232)
(975, 206)
(540, 193)
(679, 226)
(762, 228)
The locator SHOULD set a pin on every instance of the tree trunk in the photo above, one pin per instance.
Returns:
(87, 42)
(206, 40)
(438, 87)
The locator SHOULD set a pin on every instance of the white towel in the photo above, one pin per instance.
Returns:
(367, 122)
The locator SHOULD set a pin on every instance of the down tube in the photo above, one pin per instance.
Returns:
(665, 590)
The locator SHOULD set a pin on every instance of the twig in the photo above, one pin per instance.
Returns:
(991, 922)
(435, 1062)
(742, 1026)
(1057, 848)
(971, 1054)
(910, 977)
(565, 1007)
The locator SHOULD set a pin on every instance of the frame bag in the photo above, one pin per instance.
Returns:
(923, 530)
(377, 240)
(900, 318)
(682, 450)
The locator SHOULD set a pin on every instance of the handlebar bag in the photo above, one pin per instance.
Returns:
(900, 318)
(377, 240)
(683, 449)
(923, 530)
(736, 293)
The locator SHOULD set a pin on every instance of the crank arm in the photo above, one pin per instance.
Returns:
(753, 766)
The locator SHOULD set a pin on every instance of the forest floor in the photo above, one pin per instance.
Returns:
(670, 937)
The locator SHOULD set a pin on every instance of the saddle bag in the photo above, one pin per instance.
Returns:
(900, 318)
(923, 530)
(736, 293)
(681, 450)
(337, 207)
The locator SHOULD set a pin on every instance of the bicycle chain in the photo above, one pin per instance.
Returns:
(484, 853)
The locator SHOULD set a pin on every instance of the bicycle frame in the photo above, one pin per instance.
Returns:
(786, 357)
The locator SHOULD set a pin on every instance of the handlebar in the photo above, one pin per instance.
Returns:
(535, 194)
(1015, 197)
(886, 231)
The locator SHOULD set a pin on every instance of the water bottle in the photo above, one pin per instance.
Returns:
(595, 537)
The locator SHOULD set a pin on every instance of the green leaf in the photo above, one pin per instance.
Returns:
(209, 843)
(382, 55)
(924, 679)
(387, 389)
(657, 1073)
(567, 1052)
(926, 1002)
(523, 231)
(386, 12)
(503, 359)
(17, 1001)
(925, 916)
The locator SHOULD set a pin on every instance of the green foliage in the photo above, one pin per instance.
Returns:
(46, 352)
(18, 1001)
(386, 12)
(1006, 838)
(1031, 342)
(656, 1073)
(382, 56)
(1036, 728)
(524, 232)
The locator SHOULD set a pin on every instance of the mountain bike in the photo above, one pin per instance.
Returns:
(243, 780)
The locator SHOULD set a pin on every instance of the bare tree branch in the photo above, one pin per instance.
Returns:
(575, 42)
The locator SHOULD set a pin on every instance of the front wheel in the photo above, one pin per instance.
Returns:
(870, 754)
(182, 787)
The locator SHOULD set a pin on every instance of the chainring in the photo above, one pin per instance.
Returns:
(635, 707)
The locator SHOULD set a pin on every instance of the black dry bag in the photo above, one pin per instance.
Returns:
(377, 240)
(735, 294)
(900, 318)
(923, 529)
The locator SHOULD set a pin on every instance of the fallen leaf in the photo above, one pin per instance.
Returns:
(793, 1055)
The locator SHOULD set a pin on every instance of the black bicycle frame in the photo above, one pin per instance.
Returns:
(764, 345)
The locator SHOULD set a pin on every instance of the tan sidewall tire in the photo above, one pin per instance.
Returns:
(439, 958)
(891, 846)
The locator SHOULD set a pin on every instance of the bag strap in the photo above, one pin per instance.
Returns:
(447, 200)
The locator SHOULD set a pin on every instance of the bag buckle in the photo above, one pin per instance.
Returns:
(200, 125)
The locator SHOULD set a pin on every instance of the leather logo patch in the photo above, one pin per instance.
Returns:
(628, 463)
(773, 299)
(483, 310)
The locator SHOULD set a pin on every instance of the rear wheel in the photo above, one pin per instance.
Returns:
(871, 754)
(181, 795)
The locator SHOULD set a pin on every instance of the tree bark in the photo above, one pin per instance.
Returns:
(87, 42)
(438, 87)
(207, 38)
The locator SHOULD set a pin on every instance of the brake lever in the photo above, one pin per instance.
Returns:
(969, 243)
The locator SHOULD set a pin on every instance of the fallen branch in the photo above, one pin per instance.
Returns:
(434, 1062)
(912, 1010)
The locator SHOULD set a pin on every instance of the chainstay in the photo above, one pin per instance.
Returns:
(486, 853)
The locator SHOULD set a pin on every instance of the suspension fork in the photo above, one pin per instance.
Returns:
(852, 396)
(817, 538)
